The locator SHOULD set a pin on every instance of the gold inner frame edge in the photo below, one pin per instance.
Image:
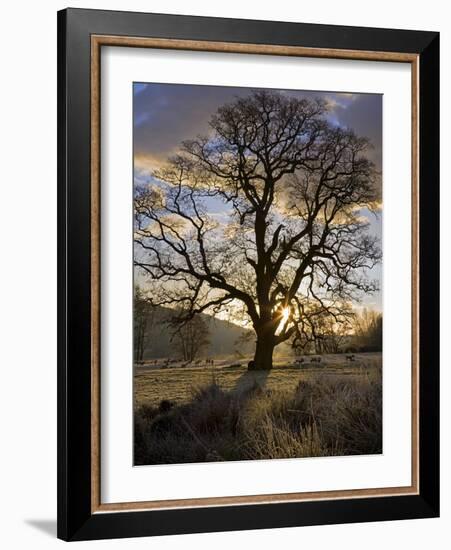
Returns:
(97, 41)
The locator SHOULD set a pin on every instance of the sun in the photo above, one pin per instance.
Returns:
(285, 315)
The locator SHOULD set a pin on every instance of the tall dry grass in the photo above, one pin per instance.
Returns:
(325, 415)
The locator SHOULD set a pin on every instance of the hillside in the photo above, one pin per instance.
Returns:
(225, 338)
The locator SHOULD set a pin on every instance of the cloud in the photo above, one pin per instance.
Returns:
(147, 163)
(167, 114)
(139, 87)
(363, 115)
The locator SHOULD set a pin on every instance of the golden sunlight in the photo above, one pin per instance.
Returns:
(285, 315)
(284, 318)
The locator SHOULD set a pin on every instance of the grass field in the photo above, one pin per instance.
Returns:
(223, 412)
(178, 384)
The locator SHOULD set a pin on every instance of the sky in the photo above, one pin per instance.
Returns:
(167, 114)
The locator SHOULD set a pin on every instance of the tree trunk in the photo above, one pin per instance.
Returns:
(263, 354)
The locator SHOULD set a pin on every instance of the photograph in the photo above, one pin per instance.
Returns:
(257, 286)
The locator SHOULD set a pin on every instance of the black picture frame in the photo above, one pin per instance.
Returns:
(76, 521)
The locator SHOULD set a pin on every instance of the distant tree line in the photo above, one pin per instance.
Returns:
(143, 320)
(368, 330)
(354, 331)
(189, 338)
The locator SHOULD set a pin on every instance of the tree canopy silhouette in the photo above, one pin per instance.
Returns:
(287, 242)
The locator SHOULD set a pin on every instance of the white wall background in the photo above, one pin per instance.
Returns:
(28, 272)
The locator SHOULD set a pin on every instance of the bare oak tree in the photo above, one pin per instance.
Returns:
(289, 230)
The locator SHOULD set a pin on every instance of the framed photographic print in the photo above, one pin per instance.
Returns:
(248, 274)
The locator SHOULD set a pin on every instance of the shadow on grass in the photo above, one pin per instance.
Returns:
(320, 416)
(251, 380)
